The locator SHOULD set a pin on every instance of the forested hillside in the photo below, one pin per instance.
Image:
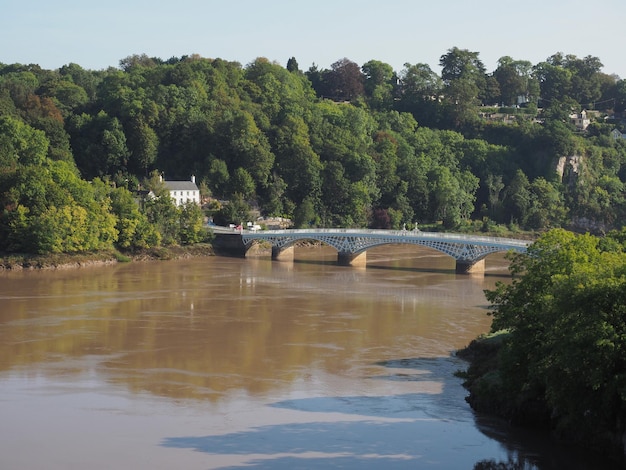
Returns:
(351, 146)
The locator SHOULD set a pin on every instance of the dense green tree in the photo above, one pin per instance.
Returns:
(554, 81)
(515, 80)
(218, 177)
(586, 79)
(620, 96)
(134, 230)
(190, 228)
(247, 147)
(379, 84)
(464, 77)
(236, 211)
(518, 199)
(68, 96)
(164, 216)
(292, 65)
(296, 160)
(566, 322)
(419, 93)
(242, 183)
(85, 79)
(305, 215)
(547, 208)
(99, 144)
(20, 144)
(53, 210)
(143, 146)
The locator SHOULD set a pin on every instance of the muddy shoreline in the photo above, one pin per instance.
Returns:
(27, 261)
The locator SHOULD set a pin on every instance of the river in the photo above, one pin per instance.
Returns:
(225, 363)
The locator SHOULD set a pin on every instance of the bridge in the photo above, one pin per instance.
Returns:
(469, 251)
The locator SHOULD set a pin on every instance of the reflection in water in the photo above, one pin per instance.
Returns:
(198, 329)
(250, 362)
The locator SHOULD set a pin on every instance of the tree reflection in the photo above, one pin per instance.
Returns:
(511, 464)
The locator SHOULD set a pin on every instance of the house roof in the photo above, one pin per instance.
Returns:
(181, 185)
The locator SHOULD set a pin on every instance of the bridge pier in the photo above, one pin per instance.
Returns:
(230, 245)
(470, 267)
(283, 254)
(351, 259)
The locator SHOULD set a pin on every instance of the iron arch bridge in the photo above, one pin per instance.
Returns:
(469, 251)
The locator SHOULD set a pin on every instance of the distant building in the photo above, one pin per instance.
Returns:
(182, 192)
(580, 120)
(616, 134)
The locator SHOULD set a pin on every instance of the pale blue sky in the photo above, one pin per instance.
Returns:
(97, 35)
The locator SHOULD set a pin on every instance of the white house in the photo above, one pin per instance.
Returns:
(182, 192)
(580, 120)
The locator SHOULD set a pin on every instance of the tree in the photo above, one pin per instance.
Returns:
(460, 64)
(566, 320)
(20, 144)
(620, 99)
(247, 147)
(379, 84)
(515, 80)
(242, 183)
(218, 176)
(517, 199)
(143, 145)
(135, 232)
(451, 197)
(50, 209)
(190, 228)
(235, 211)
(463, 74)
(99, 144)
(547, 207)
(292, 65)
(305, 215)
(419, 92)
(163, 215)
(586, 79)
(554, 82)
(344, 82)
(297, 162)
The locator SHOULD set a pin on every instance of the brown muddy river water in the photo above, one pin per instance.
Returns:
(220, 362)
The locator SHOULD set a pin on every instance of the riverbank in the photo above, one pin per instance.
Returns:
(486, 393)
(22, 261)
(526, 409)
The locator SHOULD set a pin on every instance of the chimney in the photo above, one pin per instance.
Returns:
(193, 179)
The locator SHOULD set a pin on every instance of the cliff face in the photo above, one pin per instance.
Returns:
(568, 169)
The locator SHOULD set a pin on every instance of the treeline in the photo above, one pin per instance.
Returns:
(352, 146)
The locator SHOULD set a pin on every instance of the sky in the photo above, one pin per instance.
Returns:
(98, 34)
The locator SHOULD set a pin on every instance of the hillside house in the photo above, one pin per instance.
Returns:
(616, 134)
(580, 120)
(182, 192)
